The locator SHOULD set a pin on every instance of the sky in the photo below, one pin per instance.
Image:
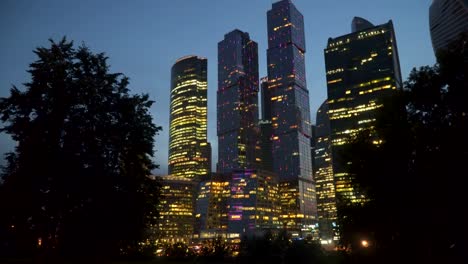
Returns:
(143, 39)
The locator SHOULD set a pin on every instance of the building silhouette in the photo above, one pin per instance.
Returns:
(290, 116)
(237, 102)
(362, 69)
(447, 20)
(189, 151)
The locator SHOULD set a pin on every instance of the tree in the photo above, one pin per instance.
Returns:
(78, 178)
(413, 180)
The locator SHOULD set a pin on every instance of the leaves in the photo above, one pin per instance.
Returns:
(413, 178)
(80, 170)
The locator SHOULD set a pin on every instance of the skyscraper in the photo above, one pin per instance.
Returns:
(237, 102)
(362, 68)
(323, 172)
(176, 209)
(290, 114)
(253, 204)
(212, 207)
(189, 151)
(447, 20)
(266, 156)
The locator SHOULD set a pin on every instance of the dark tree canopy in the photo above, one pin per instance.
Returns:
(415, 179)
(78, 178)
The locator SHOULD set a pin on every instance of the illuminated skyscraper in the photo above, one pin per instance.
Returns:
(176, 208)
(290, 114)
(362, 68)
(189, 151)
(237, 104)
(447, 20)
(253, 204)
(212, 207)
(323, 172)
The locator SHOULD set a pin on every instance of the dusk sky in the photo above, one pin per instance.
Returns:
(143, 38)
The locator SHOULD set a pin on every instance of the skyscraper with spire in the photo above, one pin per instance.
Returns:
(290, 115)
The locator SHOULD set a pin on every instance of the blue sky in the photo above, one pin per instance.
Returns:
(143, 38)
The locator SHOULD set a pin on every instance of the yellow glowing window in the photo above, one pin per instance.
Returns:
(335, 81)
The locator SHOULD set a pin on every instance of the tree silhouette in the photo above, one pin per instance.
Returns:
(414, 179)
(77, 182)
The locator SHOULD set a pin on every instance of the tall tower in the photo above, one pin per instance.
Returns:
(266, 156)
(189, 151)
(237, 104)
(447, 20)
(290, 114)
(323, 173)
(362, 69)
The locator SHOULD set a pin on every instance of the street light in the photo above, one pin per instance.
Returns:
(364, 243)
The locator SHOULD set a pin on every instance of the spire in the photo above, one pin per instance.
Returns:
(360, 24)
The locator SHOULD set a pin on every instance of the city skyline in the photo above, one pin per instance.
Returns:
(132, 59)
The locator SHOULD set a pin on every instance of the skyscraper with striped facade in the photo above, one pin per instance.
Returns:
(189, 151)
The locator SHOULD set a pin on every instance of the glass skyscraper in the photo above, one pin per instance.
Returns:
(447, 20)
(362, 68)
(237, 102)
(323, 172)
(189, 151)
(290, 114)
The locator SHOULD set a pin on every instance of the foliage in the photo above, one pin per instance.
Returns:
(216, 249)
(77, 179)
(413, 180)
(281, 248)
(178, 250)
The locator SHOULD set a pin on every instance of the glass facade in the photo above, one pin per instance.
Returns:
(237, 101)
(362, 68)
(265, 157)
(189, 151)
(289, 112)
(212, 207)
(447, 20)
(253, 204)
(323, 172)
(176, 220)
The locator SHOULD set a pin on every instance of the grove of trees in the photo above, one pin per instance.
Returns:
(77, 182)
(415, 179)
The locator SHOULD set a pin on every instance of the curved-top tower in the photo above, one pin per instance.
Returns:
(447, 20)
(359, 24)
(189, 151)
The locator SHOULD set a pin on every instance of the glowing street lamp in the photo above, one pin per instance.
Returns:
(364, 243)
